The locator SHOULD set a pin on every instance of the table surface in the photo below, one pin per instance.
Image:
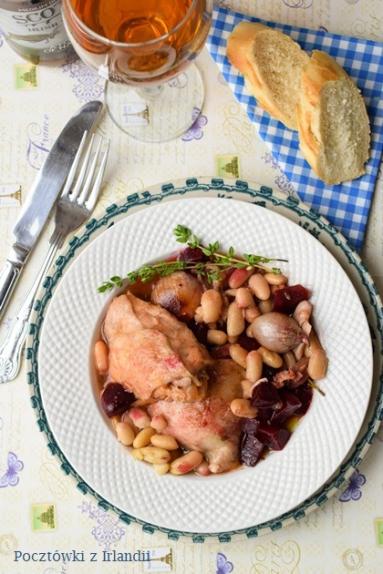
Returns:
(340, 537)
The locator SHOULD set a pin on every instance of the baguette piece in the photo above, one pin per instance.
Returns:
(272, 64)
(333, 125)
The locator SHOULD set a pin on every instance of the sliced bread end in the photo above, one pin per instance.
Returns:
(333, 124)
(272, 63)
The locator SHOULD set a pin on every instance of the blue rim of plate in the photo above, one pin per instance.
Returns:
(265, 197)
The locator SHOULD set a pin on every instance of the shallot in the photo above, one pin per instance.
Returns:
(180, 293)
(277, 332)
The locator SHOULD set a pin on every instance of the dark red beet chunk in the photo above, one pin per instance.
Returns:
(191, 255)
(248, 343)
(266, 396)
(250, 426)
(305, 395)
(273, 437)
(115, 400)
(264, 415)
(285, 300)
(251, 449)
(291, 404)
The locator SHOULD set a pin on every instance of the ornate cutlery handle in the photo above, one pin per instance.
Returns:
(10, 350)
(8, 277)
(10, 273)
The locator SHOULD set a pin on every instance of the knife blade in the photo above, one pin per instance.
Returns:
(43, 194)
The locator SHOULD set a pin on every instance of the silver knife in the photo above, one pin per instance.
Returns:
(42, 197)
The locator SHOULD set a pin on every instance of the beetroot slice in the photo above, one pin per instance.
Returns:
(305, 395)
(273, 437)
(264, 415)
(251, 448)
(266, 396)
(291, 404)
(285, 300)
(250, 426)
(115, 400)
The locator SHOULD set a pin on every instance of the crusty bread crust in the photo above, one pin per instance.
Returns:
(246, 51)
(322, 78)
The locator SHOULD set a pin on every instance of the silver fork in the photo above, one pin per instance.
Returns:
(74, 207)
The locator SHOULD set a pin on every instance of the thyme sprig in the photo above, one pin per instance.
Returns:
(316, 387)
(211, 270)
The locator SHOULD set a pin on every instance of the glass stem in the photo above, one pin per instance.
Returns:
(151, 92)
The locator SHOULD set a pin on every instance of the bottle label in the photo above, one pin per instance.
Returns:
(36, 26)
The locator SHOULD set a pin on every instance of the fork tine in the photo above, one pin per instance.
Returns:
(73, 169)
(91, 202)
(81, 176)
(90, 175)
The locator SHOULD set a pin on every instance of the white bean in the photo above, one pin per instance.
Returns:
(137, 454)
(125, 433)
(247, 388)
(101, 357)
(302, 315)
(155, 455)
(161, 468)
(318, 362)
(299, 351)
(238, 354)
(186, 463)
(216, 337)
(164, 441)
(289, 359)
(139, 417)
(275, 278)
(244, 298)
(270, 358)
(211, 303)
(259, 286)
(231, 292)
(314, 342)
(203, 469)
(243, 408)
(265, 306)
(251, 313)
(143, 437)
(254, 365)
(159, 423)
(235, 321)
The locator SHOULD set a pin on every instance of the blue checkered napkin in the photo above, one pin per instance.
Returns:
(346, 205)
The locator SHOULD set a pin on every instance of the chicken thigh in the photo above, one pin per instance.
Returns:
(152, 354)
(208, 425)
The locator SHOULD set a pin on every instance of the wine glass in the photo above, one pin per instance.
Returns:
(145, 49)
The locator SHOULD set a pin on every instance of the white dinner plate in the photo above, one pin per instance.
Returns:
(246, 497)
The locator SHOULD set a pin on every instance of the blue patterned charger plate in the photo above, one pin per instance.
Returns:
(296, 211)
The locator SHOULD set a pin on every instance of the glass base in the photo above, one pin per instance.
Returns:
(158, 113)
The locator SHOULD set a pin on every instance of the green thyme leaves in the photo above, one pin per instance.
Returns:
(211, 266)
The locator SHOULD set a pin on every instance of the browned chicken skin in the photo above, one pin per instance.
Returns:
(152, 353)
(208, 425)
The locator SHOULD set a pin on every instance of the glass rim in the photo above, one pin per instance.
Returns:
(109, 42)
